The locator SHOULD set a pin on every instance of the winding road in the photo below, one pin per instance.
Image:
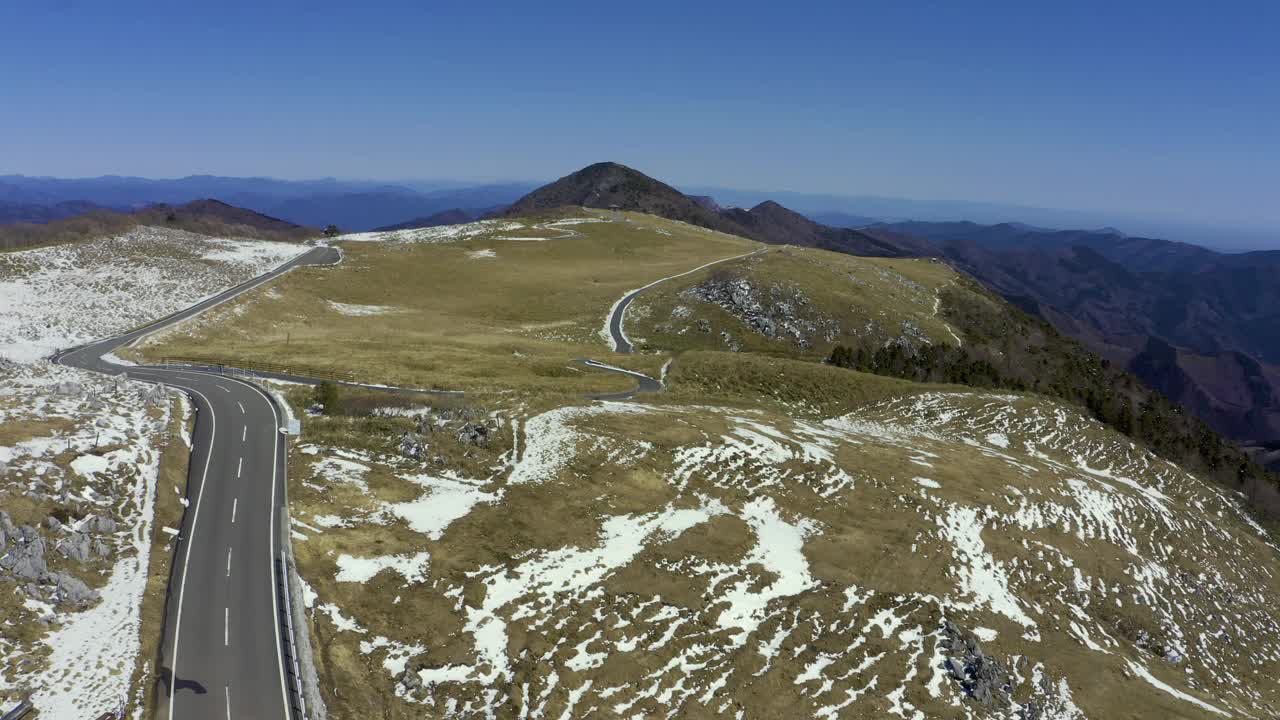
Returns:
(618, 315)
(223, 652)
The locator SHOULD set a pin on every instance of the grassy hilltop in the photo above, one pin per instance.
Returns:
(770, 535)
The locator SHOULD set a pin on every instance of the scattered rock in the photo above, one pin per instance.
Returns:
(778, 312)
(70, 590)
(75, 547)
(413, 445)
(983, 678)
(99, 523)
(25, 559)
(157, 396)
(410, 680)
(474, 434)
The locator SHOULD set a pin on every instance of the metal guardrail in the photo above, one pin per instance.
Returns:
(20, 711)
(298, 706)
(249, 367)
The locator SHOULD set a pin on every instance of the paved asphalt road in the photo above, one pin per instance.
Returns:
(621, 343)
(222, 649)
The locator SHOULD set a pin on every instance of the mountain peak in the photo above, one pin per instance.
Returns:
(610, 184)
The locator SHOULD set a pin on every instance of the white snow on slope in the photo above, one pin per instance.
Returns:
(64, 295)
(778, 606)
(362, 569)
(438, 234)
(93, 651)
(351, 310)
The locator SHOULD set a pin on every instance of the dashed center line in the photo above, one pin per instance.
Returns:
(223, 389)
(228, 689)
(226, 626)
(228, 562)
(234, 501)
(239, 466)
(241, 406)
(244, 433)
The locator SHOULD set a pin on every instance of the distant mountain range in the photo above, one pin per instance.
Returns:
(454, 216)
(206, 217)
(607, 184)
(1200, 326)
(351, 205)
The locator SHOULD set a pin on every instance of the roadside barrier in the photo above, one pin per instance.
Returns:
(249, 367)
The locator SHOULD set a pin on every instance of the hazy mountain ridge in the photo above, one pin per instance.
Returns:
(608, 184)
(1198, 325)
(205, 217)
(454, 216)
(352, 205)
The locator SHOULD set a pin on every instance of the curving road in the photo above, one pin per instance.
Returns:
(618, 315)
(223, 654)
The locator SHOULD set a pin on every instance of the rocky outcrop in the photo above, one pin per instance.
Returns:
(25, 556)
(473, 434)
(412, 445)
(778, 312)
(24, 561)
(997, 684)
(983, 678)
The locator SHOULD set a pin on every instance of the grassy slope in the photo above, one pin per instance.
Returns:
(453, 321)
(1160, 561)
(868, 299)
(880, 536)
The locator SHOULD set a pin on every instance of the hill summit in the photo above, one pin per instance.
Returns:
(613, 185)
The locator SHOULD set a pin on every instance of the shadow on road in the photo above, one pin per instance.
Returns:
(166, 677)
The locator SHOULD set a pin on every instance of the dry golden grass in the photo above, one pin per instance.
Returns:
(442, 317)
(850, 300)
(174, 461)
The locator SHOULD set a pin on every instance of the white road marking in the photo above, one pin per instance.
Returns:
(241, 406)
(228, 689)
(271, 546)
(234, 501)
(239, 466)
(244, 433)
(226, 626)
(222, 388)
(186, 562)
(228, 562)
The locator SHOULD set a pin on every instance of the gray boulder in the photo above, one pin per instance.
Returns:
(983, 678)
(75, 547)
(25, 559)
(474, 434)
(157, 396)
(70, 590)
(53, 522)
(410, 680)
(101, 548)
(413, 445)
(100, 523)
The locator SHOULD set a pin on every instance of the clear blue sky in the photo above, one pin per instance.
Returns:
(1144, 107)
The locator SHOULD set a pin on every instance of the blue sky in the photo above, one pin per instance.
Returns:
(1168, 109)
